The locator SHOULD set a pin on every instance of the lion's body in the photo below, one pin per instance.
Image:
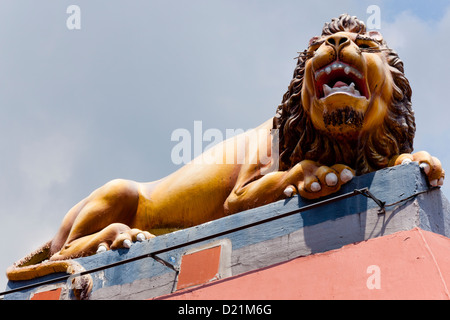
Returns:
(347, 107)
(196, 193)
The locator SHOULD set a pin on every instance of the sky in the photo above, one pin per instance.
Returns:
(81, 107)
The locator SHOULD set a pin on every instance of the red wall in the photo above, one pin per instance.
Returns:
(412, 264)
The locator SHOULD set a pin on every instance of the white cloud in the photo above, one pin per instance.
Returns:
(423, 47)
(47, 161)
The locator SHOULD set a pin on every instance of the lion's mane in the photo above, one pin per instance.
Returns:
(299, 140)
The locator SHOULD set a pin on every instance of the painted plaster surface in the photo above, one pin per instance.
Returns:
(412, 264)
(315, 231)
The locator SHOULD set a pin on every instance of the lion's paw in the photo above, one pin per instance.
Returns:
(125, 239)
(317, 181)
(430, 165)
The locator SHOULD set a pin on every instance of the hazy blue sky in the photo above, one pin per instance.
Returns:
(81, 107)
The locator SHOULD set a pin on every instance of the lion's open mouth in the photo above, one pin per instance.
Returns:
(339, 77)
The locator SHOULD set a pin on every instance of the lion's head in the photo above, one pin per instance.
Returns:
(349, 101)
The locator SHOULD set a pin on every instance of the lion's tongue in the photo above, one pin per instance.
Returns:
(340, 84)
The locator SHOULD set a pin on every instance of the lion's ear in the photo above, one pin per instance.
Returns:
(376, 36)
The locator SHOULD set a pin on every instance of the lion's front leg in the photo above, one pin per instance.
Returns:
(307, 178)
(429, 164)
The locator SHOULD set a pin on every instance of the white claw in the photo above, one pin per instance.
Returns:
(315, 186)
(289, 191)
(126, 243)
(425, 167)
(406, 160)
(434, 182)
(101, 248)
(140, 237)
(346, 175)
(331, 179)
(441, 182)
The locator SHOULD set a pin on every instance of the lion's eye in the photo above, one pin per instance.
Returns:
(314, 46)
(314, 43)
(366, 44)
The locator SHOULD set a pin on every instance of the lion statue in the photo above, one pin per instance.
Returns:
(347, 112)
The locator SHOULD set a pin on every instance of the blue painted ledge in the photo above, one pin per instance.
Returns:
(321, 229)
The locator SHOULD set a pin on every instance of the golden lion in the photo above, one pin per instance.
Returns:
(347, 111)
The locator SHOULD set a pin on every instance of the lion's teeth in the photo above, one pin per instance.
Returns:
(338, 65)
(346, 89)
(326, 90)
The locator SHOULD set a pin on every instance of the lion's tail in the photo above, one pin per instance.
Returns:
(36, 265)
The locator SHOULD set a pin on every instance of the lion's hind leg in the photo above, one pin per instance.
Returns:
(103, 219)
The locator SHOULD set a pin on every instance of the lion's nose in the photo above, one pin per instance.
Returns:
(338, 41)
